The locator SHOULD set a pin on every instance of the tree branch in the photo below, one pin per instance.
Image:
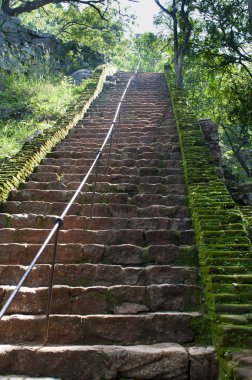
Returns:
(35, 4)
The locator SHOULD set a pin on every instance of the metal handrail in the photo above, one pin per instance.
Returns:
(60, 220)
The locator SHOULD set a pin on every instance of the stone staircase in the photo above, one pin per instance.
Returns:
(127, 301)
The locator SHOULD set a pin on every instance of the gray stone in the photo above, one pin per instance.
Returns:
(80, 75)
(130, 308)
(162, 361)
(203, 364)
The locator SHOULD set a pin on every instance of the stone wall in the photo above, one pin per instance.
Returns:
(224, 248)
(20, 45)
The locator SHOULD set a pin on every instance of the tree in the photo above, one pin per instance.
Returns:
(226, 35)
(180, 13)
(11, 8)
(150, 48)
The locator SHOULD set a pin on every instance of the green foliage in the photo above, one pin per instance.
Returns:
(84, 27)
(30, 103)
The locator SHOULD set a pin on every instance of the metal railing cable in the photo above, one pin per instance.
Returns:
(60, 220)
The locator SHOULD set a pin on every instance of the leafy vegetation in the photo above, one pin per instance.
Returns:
(30, 103)
(209, 50)
(206, 43)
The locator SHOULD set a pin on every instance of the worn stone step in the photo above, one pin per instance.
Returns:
(66, 195)
(119, 146)
(69, 178)
(123, 138)
(99, 210)
(56, 208)
(104, 300)
(123, 254)
(148, 328)
(107, 187)
(116, 154)
(85, 127)
(145, 200)
(112, 178)
(165, 360)
(23, 377)
(100, 275)
(125, 170)
(83, 222)
(113, 162)
(99, 236)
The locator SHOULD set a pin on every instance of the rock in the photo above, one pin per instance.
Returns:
(130, 308)
(21, 45)
(80, 75)
(203, 363)
(158, 361)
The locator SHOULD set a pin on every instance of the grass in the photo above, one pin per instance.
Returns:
(30, 102)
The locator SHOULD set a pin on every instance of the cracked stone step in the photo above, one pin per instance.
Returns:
(124, 254)
(104, 300)
(100, 275)
(108, 329)
(110, 362)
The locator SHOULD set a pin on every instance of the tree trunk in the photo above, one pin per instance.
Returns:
(250, 15)
(178, 63)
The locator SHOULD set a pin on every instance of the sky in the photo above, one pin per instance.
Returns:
(144, 10)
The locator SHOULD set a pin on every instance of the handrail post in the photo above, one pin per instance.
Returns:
(58, 222)
(110, 147)
(99, 154)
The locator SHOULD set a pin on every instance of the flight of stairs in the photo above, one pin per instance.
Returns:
(127, 302)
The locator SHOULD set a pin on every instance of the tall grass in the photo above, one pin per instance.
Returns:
(32, 99)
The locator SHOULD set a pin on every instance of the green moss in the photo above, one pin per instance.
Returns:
(18, 168)
(8, 221)
(224, 249)
(202, 330)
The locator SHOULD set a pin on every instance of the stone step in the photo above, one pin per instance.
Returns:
(100, 275)
(99, 210)
(108, 329)
(123, 254)
(83, 222)
(116, 154)
(85, 127)
(104, 300)
(163, 361)
(111, 178)
(106, 236)
(123, 138)
(124, 170)
(122, 144)
(64, 196)
(107, 187)
(23, 377)
(139, 151)
(113, 162)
